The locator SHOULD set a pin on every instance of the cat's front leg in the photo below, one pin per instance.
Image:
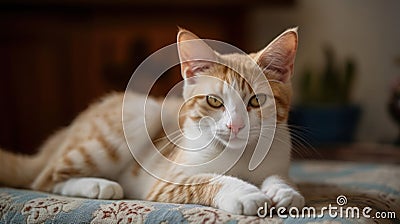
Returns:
(239, 197)
(281, 193)
(89, 187)
(224, 192)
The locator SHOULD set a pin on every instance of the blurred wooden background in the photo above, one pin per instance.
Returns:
(57, 57)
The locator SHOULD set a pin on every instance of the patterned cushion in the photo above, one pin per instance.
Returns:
(375, 186)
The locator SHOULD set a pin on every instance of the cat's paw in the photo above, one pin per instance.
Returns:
(281, 194)
(285, 196)
(244, 203)
(239, 197)
(90, 188)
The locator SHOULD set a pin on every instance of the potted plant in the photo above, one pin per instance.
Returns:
(325, 114)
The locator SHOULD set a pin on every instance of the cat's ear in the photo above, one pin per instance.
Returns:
(277, 59)
(194, 54)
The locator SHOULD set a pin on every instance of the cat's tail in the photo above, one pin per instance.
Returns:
(18, 170)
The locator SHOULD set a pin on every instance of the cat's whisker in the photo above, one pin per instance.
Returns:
(300, 128)
(290, 143)
(164, 147)
(299, 143)
(168, 136)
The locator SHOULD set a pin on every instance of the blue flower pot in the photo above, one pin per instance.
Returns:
(325, 125)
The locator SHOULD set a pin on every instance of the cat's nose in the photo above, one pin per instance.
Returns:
(235, 128)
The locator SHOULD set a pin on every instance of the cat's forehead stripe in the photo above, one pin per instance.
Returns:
(234, 79)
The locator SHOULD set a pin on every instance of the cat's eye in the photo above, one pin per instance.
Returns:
(214, 101)
(257, 100)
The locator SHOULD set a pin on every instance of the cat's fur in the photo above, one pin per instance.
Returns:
(90, 158)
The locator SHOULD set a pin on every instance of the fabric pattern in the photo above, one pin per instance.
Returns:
(375, 186)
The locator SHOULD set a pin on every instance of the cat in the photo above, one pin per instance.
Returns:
(91, 158)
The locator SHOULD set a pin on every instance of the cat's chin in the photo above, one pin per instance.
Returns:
(236, 145)
(233, 142)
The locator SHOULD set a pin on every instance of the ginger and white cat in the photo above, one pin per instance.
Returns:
(91, 158)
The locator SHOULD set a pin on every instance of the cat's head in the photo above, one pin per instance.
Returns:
(229, 97)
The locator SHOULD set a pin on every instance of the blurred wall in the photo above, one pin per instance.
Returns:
(58, 56)
(367, 30)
